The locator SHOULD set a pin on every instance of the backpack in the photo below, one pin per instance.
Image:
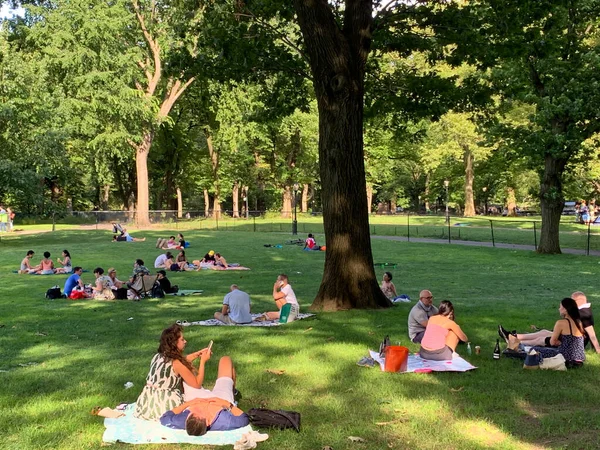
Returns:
(267, 418)
(53, 292)
(385, 343)
(120, 293)
(157, 291)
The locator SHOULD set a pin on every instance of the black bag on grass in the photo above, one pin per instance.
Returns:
(157, 291)
(267, 418)
(120, 293)
(53, 292)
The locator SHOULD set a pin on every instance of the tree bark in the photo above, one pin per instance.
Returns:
(215, 162)
(179, 204)
(469, 159)
(304, 198)
(235, 194)
(511, 202)
(337, 58)
(206, 203)
(369, 198)
(142, 217)
(287, 205)
(552, 202)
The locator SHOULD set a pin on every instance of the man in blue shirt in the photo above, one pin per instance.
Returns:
(73, 281)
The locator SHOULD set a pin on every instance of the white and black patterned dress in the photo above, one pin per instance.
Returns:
(162, 391)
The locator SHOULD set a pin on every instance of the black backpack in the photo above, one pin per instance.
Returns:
(53, 292)
(267, 418)
(157, 291)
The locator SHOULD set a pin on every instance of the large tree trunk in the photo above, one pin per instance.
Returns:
(469, 201)
(215, 162)
(369, 198)
(338, 61)
(142, 217)
(552, 201)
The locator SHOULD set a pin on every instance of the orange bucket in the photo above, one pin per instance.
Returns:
(396, 358)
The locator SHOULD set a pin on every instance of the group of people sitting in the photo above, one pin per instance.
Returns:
(237, 304)
(109, 287)
(46, 265)
(438, 333)
(172, 243)
(180, 263)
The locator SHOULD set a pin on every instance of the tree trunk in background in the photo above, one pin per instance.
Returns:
(235, 194)
(369, 198)
(206, 203)
(511, 202)
(142, 217)
(468, 159)
(287, 206)
(337, 58)
(179, 204)
(427, 182)
(304, 198)
(217, 206)
(552, 201)
(105, 197)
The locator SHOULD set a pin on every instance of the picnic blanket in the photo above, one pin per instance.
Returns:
(218, 323)
(184, 292)
(130, 430)
(207, 266)
(418, 364)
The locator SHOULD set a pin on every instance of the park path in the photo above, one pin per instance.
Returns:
(571, 251)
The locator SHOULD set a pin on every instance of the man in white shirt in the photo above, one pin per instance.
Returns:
(236, 307)
(159, 263)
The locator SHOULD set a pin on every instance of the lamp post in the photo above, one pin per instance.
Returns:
(485, 200)
(446, 184)
(295, 221)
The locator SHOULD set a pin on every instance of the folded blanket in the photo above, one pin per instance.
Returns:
(130, 430)
(216, 323)
(418, 364)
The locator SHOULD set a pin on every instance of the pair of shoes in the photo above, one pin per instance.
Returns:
(504, 333)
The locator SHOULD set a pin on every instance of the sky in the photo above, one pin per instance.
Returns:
(6, 12)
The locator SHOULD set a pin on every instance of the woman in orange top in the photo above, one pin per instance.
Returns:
(442, 334)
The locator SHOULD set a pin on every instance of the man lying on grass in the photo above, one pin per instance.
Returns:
(209, 410)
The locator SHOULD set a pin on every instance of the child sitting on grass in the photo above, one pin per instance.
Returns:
(388, 287)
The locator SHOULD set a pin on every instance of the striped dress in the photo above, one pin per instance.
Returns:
(162, 391)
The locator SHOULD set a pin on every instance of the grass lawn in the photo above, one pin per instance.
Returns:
(61, 358)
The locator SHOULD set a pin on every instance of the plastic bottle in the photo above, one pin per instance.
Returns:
(468, 348)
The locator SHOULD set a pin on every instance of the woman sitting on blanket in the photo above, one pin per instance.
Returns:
(567, 337)
(182, 261)
(46, 266)
(220, 261)
(442, 335)
(65, 263)
(169, 367)
(102, 290)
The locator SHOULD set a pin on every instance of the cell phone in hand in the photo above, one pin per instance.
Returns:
(210, 345)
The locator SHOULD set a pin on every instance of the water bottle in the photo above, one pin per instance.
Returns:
(468, 348)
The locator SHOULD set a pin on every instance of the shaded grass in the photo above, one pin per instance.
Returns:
(85, 351)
